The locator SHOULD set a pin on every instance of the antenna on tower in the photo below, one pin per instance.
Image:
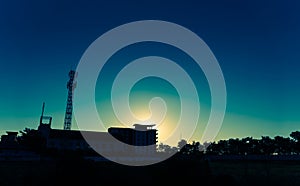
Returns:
(71, 85)
(44, 118)
(43, 109)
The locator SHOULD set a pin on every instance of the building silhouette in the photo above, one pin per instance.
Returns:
(9, 140)
(140, 135)
(73, 140)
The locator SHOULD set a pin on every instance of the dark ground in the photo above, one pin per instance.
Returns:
(171, 172)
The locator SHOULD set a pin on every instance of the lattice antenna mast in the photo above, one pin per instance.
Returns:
(71, 85)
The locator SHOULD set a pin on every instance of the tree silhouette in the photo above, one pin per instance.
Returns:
(191, 149)
(182, 143)
(266, 146)
(296, 143)
(295, 135)
(166, 149)
(32, 139)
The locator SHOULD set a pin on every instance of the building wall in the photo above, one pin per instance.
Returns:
(67, 144)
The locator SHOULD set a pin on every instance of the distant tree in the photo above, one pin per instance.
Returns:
(195, 148)
(233, 146)
(186, 149)
(217, 148)
(206, 144)
(202, 147)
(166, 148)
(32, 139)
(160, 147)
(296, 142)
(255, 147)
(222, 147)
(246, 146)
(296, 136)
(267, 145)
(282, 145)
(182, 143)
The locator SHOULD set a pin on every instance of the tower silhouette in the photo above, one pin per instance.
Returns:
(71, 85)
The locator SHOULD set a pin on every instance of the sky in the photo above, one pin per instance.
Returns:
(256, 43)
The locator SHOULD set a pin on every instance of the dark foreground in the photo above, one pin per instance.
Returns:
(171, 172)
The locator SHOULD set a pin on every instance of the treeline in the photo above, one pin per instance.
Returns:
(265, 146)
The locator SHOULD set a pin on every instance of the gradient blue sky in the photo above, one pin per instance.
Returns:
(257, 45)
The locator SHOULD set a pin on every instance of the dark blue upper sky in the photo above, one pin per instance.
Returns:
(255, 42)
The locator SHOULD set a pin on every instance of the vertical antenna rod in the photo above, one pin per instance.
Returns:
(42, 116)
(43, 109)
(49, 118)
(70, 86)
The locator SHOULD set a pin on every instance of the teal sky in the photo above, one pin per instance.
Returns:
(256, 44)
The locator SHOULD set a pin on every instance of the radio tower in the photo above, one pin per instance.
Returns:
(71, 85)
